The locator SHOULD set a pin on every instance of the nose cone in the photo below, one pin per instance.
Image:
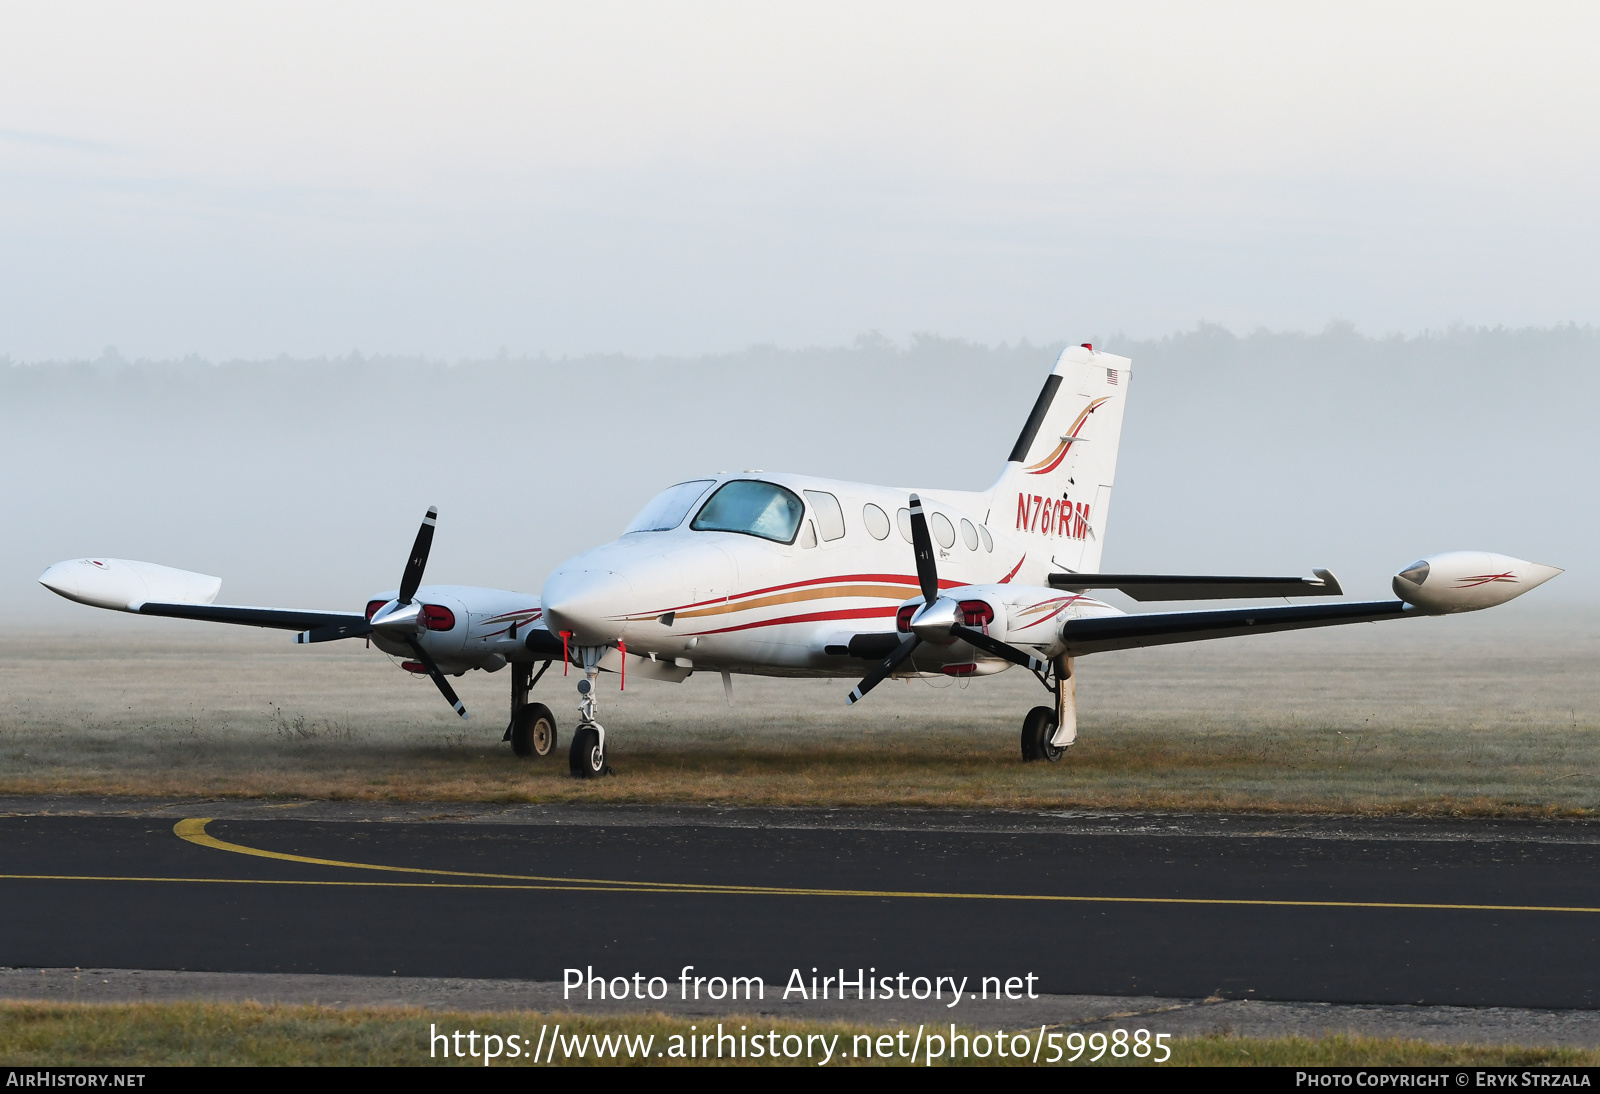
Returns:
(591, 601)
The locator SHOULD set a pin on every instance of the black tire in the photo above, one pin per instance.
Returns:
(1037, 729)
(534, 732)
(587, 759)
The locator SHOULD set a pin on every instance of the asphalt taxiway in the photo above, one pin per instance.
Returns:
(1480, 914)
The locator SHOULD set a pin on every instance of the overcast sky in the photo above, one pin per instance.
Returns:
(248, 180)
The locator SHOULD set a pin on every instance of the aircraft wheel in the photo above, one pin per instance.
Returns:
(534, 733)
(1037, 729)
(587, 758)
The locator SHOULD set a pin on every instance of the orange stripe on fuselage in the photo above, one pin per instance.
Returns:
(894, 579)
(890, 586)
(810, 617)
(889, 592)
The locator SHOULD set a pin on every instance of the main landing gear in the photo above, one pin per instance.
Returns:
(532, 731)
(1048, 732)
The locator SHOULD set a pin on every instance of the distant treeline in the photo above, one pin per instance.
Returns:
(1266, 451)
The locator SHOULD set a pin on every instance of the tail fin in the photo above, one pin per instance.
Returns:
(1057, 484)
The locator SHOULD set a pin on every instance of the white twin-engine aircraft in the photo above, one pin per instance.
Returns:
(787, 575)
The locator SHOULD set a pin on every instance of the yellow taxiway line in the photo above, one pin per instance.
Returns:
(194, 830)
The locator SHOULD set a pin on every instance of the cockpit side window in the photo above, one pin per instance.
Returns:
(754, 508)
(830, 517)
(667, 510)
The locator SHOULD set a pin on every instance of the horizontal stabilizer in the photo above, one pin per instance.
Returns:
(284, 619)
(1186, 587)
(1126, 632)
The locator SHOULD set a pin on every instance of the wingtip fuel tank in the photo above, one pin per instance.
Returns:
(1466, 581)
(123, 584)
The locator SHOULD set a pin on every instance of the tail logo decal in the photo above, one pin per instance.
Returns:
(1059, 453)
(1052, 516)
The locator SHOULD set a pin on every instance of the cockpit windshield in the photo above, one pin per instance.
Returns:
(762, 509)
(667, 510)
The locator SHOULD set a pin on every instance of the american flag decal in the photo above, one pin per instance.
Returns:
(1111, 375)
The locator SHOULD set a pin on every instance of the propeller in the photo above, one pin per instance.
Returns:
(938, 618)
(419, 556)
(445, 689)
(403, 620)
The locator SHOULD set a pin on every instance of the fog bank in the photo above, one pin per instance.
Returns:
(301, 481)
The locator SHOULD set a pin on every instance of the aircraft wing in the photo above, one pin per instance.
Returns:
(144, 588)
(1127, 632)
(324, 625)
(1192, 587)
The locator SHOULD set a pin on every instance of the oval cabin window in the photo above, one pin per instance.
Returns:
(876, 520)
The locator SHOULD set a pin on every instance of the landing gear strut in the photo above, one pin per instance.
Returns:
(587, 759)
(1047, 733)
(532, 731)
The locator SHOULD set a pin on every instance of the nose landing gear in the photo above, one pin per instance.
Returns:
(587, 759)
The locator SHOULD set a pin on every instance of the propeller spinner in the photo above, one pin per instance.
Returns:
(940, 620)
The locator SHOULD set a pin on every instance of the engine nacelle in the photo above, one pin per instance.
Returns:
(1028, 615)
(1466, 581)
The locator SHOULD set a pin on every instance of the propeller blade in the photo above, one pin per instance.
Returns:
(922, 543)
(419, 558)
(993, 645)
(428, 663)
(885, 667)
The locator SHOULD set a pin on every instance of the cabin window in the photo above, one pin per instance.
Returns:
(988, 540)
(904, 520)
(876, 520)
(943, 530)
(830, 518)
(969, 534)
(752, 508)
(667, 510)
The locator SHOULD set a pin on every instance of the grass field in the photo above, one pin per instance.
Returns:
(219, 1034)
(1496, 714)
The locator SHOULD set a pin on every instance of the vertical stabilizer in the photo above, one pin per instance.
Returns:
(1055, 492)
